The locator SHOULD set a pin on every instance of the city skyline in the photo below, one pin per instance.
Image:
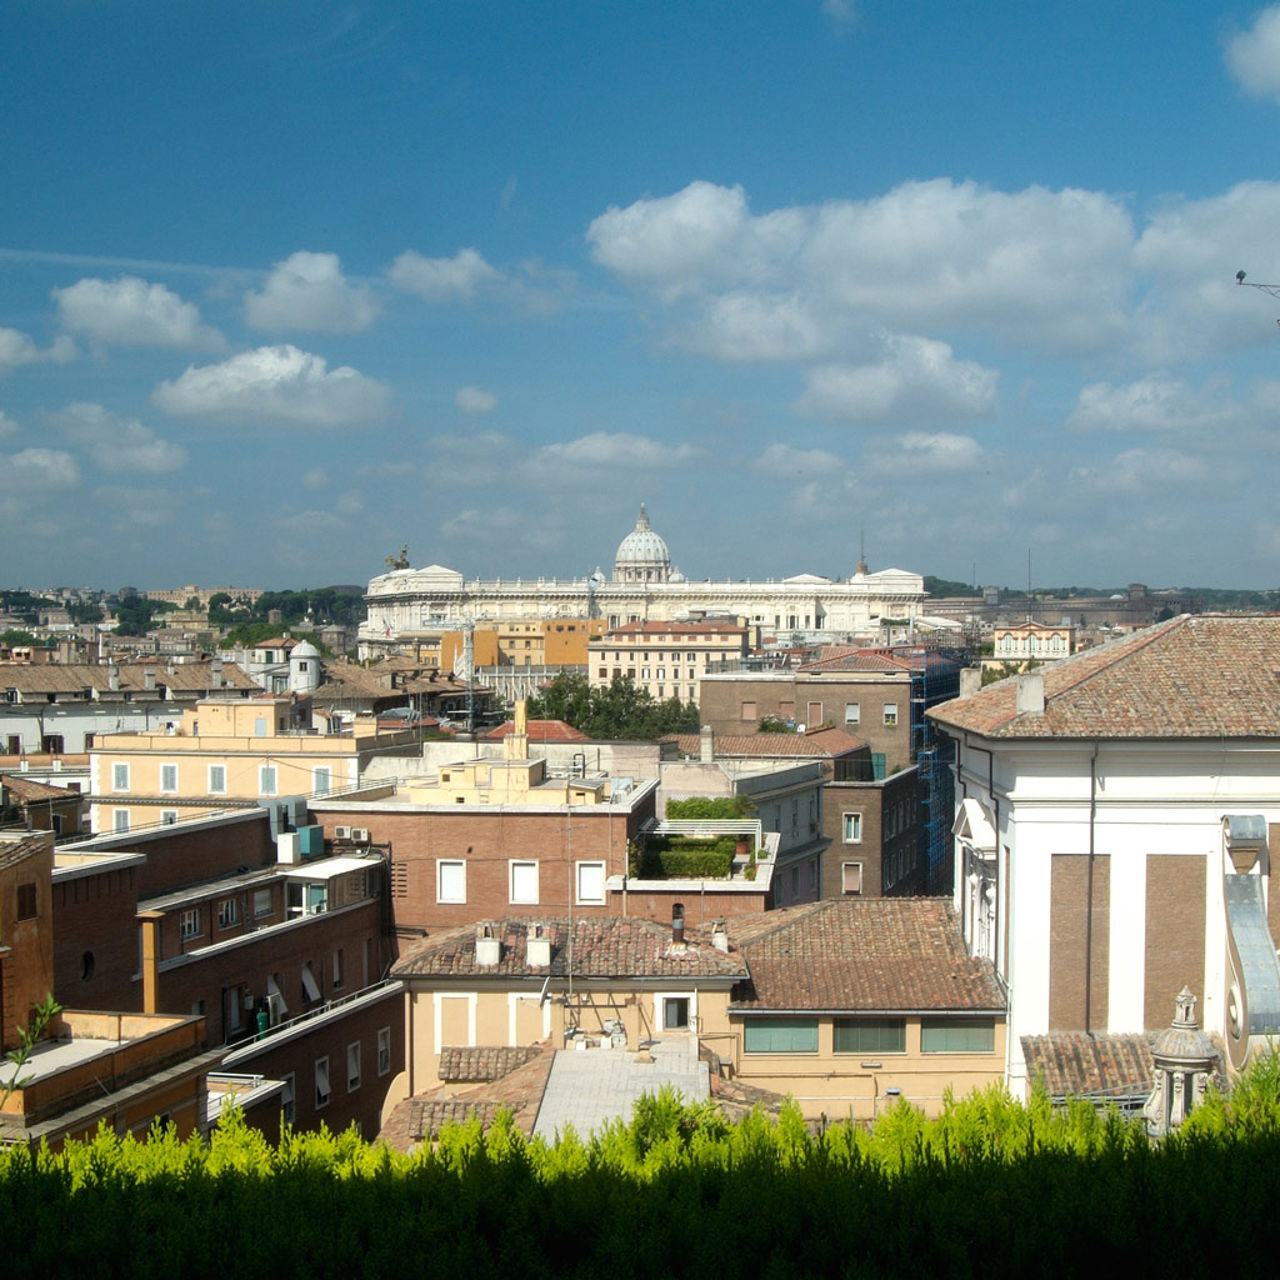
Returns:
(287, 288)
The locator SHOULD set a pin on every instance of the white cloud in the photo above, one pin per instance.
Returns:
(842, 13)
(7, 425)
(278, 384)
(473, 460)
(42, 469)
(458, 278)
(784, 464)
(131, 508)
(350, 503)
(917, 381)
(762, 326)
(315, 478)
(17, 349)
(1141, 471)
(925, 453)
(1158, 402)
(312, 524)
(1043, 268)
(475, 400)
(129, 312)
(119, 444)
(309, 291)
(1253, 56)
(603, 453)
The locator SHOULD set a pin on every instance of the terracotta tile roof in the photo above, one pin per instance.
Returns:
(1073, 1064)
(864, 954)
(603, 947)
(185, 677)
(1200, 676)
(673, 629)
(473, 1065)
(25, 790)
(15, 849)
(539, 731)
(889, 660)
(821, 743)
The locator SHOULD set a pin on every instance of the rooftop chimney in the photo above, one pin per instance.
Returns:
(537, 948)
(720, 936)
(215, 673)
(677, 925)
(1031, 694)
(970, 681)
(707, 745)
(149, 678)
(150, 921)
(113, 678)
(488, 948)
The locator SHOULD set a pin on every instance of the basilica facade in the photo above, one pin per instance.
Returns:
(405, 605)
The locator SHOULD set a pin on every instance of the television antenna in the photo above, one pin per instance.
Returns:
(1272, 289)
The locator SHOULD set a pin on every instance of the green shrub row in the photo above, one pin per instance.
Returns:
(669, 857)
(710, 808)
(990, 1187)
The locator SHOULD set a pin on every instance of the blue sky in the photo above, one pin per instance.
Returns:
(285, 286)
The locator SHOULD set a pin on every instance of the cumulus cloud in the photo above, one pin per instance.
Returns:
(350, 503)
(130, 312)
(475, 400)
(18, 349)
(41, 469)
(277, 384)
(1043, 268)
(1143, 471)
(602, 453)
(7, 425)
(1253, 56)
(1159, 402)
(118, 444)
(456, 279)
(926, 453)
(783, 463)
(917, 380)
(315, 478)
(744, 326)
(309, 291)
(133, 508)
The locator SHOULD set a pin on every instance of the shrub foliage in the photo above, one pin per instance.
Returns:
(990, 1187)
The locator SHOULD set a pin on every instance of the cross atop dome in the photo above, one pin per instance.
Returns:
(642, 554)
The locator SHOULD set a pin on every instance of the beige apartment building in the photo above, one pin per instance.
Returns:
(666, 658)
(226, 755)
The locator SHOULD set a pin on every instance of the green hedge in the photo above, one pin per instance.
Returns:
(989, 1188)
(686, 857)
(714, 808)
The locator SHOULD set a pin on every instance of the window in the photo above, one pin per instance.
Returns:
(780, 1035)
(852, 712)
(310, 988)
(353, 1066)
(288, 1110)
(957, 1035)
(451, 881)
(261, 903)
(675, 1013)
(267, 780)
(815, 714)
(120, 777)
(870, 1035)
(228, 913)
(190, 923)
(524, 882)
(217, 779)
(852, 828)
(322, 779)
(323, 1092)
(384, 1050)
(851, 877)
(27, 901)
(591, 882)
(169, 778)
(260, 727)
(120, 820)
(168, 817)
(890, 714)
(748, 709)
(337, 969)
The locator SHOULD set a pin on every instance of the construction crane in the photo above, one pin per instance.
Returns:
(1272, 289)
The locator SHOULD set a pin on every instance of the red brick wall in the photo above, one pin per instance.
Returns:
(1175, 934)
(1068, 927)
(95, 941)
(487, 842)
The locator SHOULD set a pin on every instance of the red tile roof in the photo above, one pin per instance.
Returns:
(1201, 676)
(25, 790)
(483, 1064)
(539, 731)
(821, 743)
(604, 947)
(1073, 1064)
(862, 954)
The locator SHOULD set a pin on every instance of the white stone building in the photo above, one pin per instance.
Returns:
(406, 605)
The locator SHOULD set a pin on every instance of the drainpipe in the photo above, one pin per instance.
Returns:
(1088, 903)
(150, 921)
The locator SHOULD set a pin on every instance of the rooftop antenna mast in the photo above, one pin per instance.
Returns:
(1272, 289)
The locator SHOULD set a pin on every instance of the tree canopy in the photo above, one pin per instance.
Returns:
(619, 710)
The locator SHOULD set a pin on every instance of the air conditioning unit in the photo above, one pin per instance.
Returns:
(342, 833)
(360, 835)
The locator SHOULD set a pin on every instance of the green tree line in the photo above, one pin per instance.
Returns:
(619, 710)
(989, 1187)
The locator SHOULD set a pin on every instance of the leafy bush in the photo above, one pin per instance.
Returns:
(685, 857)
(710, 808)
